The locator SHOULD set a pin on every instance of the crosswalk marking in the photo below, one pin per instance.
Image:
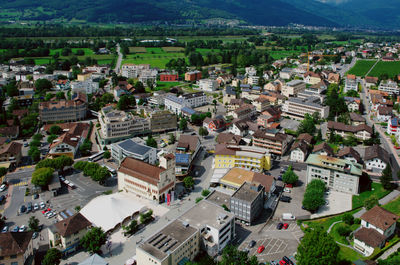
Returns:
(22, 183)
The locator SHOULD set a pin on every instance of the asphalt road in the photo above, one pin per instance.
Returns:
(119, 60)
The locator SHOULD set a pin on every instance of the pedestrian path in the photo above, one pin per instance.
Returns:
(390, 197)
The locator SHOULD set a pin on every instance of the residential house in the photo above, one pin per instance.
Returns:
(134, 149)
(353, 104)
(229, 138)
(356, 119)
(133, 70)
(235, 104)
(376, 159)
(286, 73)
(169, 77)
(261, 104)
(186, 150)
(323, 149)
(16, 248)
(208, 85)
(192, 76)
(10, 154)
(245, 111)
(362, 132)
(228, 95)
(275, 142)
(389, 86)
(338, 174)
(371, 81)
(155, 183)
(384, 113)
(350, 84)
(247, 157)
(350, 154)
(307, 138)
(274, 86)
(333, 78)
(299, 151)
(393, 127)
(312, 78)
(66, 144)
(11, 132)
(217, 124)
(67, 234)
(377, 226)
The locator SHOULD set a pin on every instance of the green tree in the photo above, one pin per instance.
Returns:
(188, 182)
(107, 155)
(52, 257)
(80, 165)
(42, 176)
(205, 193)
(370, 202)
(289, 176)
(51, 138)
(307, 125)
(93, 240)
(3, 171)
(55, 129)
(146, 217)
(90, 169)
(63, 161)
(131, 228)
(317, 247)
(151, 141)
(85, 147)
(124, 102)
(101, 174)
(314, 195)
(231, 255)
(343, 230)
(348, 218)
(318, 138)
(43, 85)
(203, 131)
(183, 124)
(37, 137)
(172, 138)
(33, 223)
(387, 178)
(34, 153)
(11, 89)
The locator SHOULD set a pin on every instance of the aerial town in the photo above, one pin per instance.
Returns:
(132, 159)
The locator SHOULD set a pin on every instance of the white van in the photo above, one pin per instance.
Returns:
(288, 216)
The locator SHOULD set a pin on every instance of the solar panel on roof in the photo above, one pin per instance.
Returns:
(182, 158)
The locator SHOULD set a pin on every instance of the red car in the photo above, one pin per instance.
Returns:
(260, 249)
(289, 186)
(282, 262)
(285, 226)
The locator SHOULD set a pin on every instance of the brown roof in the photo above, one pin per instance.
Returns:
(349, 151)
(323, 147)
(20, 112)
(14, 243)
(371, 79)
(221, 149)
(383, 110)
(66, 138)
(278, 137)
(9, 131)
(356, 117)
(244, 108)
(229, 138)
(190, 141)
(3, 140)
(78, 100)
(348, 128)
(369, 236)
(141, 170)
(72, 225)
(273, 111)
(376, 151)
(300, 144)
(380, 217)
(12, 148)
(305, 137)
(351, 77)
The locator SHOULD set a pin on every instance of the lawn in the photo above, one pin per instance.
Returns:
(389, 68)
(376, 189)
(156, 57)
(326, 222)
(361, 67)
(338, 237)
(101, 58)
(166, 85)
(393, 206)
(205, 51)
(282, 54)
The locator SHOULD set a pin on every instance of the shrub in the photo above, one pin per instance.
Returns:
(205, 193)
(198, 199)
(343, 230)
(348, 219)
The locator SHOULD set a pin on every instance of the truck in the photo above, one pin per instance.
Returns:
(288, 216)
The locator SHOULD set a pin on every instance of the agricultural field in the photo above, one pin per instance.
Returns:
(282, 54)
(156, 57)
(137, 50)
(87, 51)
(173, 49)
(102, 59)
(389, 68)
(361, 67)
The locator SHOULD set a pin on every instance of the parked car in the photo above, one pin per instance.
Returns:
(2, 198)
(282, 262)
(289, 185)
(29, 208)
(36, 206)
(285, 198)
(50, 215)
(279, 226)
(35, 196)
(3, 187)
(35, 235)
(287, 190)
(22, 228)
(22, 209)
(246, 250)
(42, 205)
(280, 177)
(252, 243)
(15, 229)
(5, 229)
(260, 249)
(285, 226)
(287, 260)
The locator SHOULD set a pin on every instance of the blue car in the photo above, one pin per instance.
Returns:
(15, 229)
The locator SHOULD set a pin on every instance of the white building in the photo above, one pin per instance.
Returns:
(192, 100)
(88, 86)
(286, 73)
(133, 70)
(338, 174)
(293, 87)
(253, 80)
(350, 84)
(299, 151)
(251, 71)
(389, 86)
(208, 85)
(297, 108)
(376, 159)
(134, 149)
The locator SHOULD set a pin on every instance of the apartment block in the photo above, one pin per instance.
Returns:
(208, 85)
(292, 88)
(134, 149)
(338, 174)
(275, 142)
(296, 108)
(193, 76)
(64, 110)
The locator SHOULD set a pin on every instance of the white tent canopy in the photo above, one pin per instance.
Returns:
(94, 260)
(107, 211)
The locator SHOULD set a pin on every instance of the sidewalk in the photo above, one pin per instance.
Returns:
(391, 196)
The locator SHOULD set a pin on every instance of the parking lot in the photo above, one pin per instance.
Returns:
(277, 243)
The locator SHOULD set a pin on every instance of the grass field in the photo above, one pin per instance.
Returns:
(156, 57)
(393, 206)
(205, 51)
(137, 50)
(101, 59)
(376, 189)
(173, 49)
(87, 51)
(361, 67)
(389, 68)
(282, 54)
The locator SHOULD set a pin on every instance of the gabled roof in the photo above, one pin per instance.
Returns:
(356, 117)
(12, 148)
(323, 147)
(302, 145)
(349, 151)
(305, 137)
(66, 138)
(348, 128)
(141, 170)
(380, 217)
(72, 225)
(14, 243)
(9, 131)
(189, 140)
(228, 138)
(383, 110)
(370, 237)
(376, 151)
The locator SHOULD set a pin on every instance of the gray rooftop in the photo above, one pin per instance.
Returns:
(247, 192)
(294, 83)
(220, 198)
(133, 147)
(168, 239)
(310, 101)
(206, 213)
